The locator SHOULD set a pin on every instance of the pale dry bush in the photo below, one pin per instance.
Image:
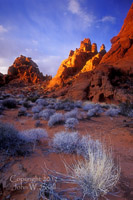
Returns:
(112, 112)
(97, 175)
(33, 135)
(45, 114)
(57, 118)
(37, 109)
(71, 123)
(65, 142)
(71, 114)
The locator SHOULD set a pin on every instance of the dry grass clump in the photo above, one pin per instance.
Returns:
(91, 178)
(98, 175)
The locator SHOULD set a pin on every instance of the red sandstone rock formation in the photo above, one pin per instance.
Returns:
(26, 70)
(83, 59)
(107, 81)
(22, 72)
(121, 52)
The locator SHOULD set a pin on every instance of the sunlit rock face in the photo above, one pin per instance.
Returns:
(85, 45)
(94, 48)
(121, 52)
(99, 77)
(76, 62)
(25, 69)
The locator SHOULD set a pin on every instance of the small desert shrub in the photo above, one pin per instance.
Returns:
(37, 109)
(22, 111)
(71, 123)
(81, 115)
(57, 118)
(51, 106)
(10, 103)
(126, 109)
(32, 98)
(45, 114)
(96, 176)
(112, 112)
(10, 141)
(86, 143)
(88, 106)
(78, 104)
(1, 109)
(105, 105)
(64, 105)
(65, 142)
(36, 116)
(94, 112)
(34, 135)
(27, 104)
(38, 123)
(72, 114)
(42, 102)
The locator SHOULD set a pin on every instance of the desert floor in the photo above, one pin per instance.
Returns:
(113, 131)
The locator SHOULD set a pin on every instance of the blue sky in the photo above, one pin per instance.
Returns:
(46, 30)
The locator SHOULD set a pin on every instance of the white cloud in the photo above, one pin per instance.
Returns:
(3, 29)
(75, 8)
(107, 19)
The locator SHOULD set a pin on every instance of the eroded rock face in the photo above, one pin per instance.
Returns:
(25, 69)
(121, 52)
(94, 48)
(105, 78)
(83, 59)
(85, 45)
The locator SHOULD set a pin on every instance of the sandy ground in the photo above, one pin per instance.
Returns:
(113, 131)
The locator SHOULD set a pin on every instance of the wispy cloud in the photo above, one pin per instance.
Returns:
(48, 64)
(108, 19)
(3, 29)
(75, 8)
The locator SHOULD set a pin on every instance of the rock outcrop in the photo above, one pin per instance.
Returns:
(23, 71)
(83, 59)
(26, 70)
(121, 52)
(101, 78)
